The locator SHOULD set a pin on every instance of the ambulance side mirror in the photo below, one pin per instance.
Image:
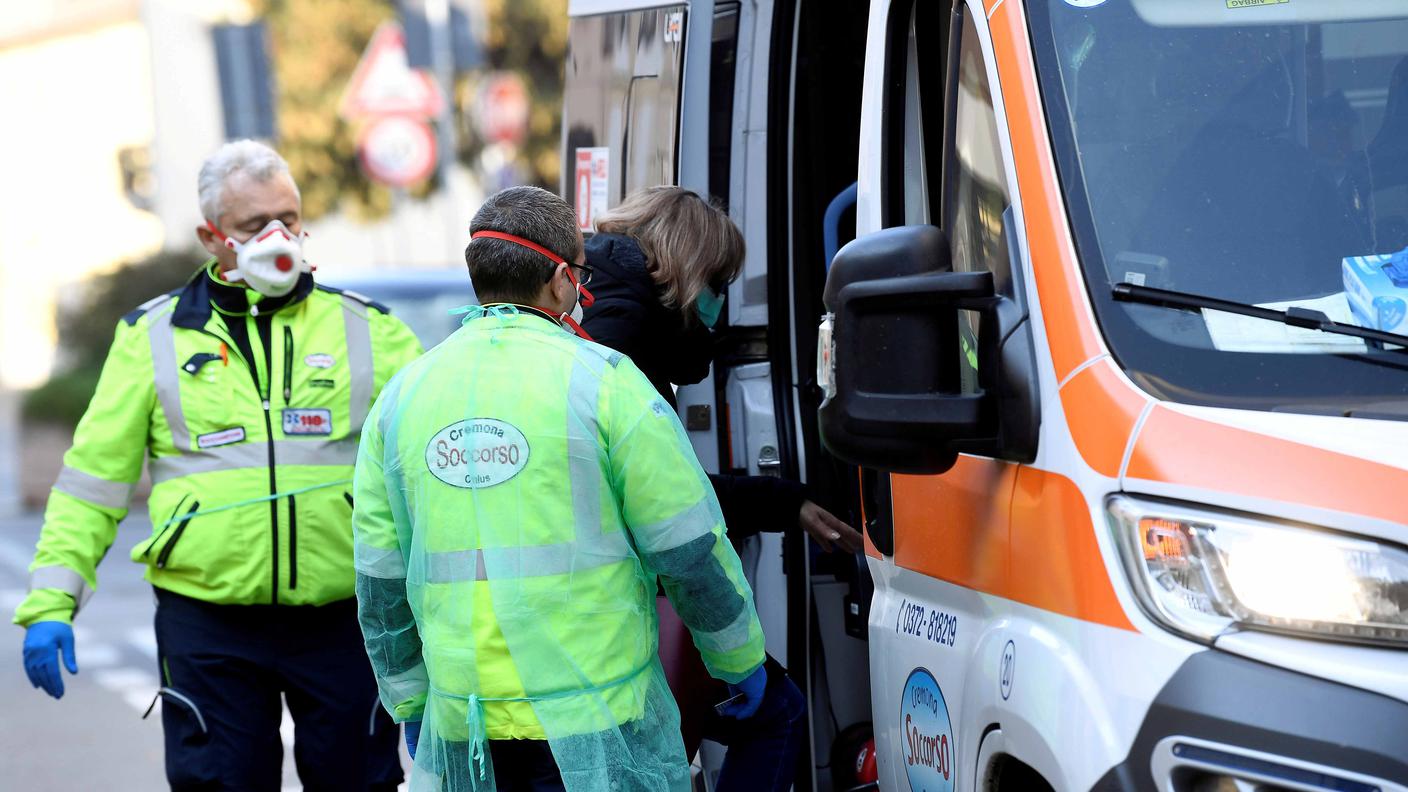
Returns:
(901, 393)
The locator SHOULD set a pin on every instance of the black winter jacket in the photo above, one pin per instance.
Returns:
(629, 317)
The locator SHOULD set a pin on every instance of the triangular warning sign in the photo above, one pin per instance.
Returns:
(384, 84)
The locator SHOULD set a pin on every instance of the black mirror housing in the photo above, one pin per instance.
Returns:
(898, 403)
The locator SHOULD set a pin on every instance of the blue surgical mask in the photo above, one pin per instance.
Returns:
(709, 304)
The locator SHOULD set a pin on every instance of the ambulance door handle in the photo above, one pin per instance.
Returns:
(768, 462)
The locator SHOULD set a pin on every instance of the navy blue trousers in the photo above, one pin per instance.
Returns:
(223, 671)
(762, 750)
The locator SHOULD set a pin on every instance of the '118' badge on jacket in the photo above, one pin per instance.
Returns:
(307, 422)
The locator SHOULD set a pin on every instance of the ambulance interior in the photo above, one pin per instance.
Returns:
(757, 104)
(812, 197)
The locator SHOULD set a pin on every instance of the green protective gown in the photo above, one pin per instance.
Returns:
(519, 492)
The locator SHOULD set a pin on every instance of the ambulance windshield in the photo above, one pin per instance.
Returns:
(1249, 150)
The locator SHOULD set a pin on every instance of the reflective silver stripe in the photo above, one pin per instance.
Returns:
(85, 486)
(317, 452)
(397, 688)
(153, 302)
(696, 521)
(583, 455)
(231, 457)
(728, 639)
(359, 362)
(64, 579)
(560, 559)
(167, 377)
(459, 566)
(186, 700)
(455, 566)
(378, 562)
(247, 455)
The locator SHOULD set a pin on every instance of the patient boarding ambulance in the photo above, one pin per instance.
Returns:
(1090, 312)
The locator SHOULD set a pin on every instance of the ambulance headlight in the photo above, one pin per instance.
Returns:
(1201, 572)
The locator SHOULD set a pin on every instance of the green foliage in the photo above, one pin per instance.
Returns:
(86, 327)
(530, 37)
(315, 48)
(62, 399)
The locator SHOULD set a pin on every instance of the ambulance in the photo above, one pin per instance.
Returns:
(1094, 314)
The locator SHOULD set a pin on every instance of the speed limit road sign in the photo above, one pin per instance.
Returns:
(397, 151)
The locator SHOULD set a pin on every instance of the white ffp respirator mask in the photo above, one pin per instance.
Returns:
(270, 262)
(576, 314)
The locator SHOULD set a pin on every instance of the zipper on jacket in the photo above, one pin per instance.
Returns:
(167, 526)
(175, 537)
(262, 388)
(292, 543)
(288, 365)
(252, 332)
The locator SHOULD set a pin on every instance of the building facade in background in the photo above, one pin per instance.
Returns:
(111, 106)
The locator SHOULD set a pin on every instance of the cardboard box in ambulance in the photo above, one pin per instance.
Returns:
(1145, 503)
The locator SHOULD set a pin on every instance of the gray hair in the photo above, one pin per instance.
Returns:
(238, 156)
(502, 270)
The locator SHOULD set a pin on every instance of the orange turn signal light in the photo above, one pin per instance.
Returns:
(1163, 539)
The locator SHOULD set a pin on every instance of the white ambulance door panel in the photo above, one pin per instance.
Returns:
(753, 448)
(705, 154)
(750, 172)
(935, 666)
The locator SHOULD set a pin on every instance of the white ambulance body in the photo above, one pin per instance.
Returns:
(1107, 369)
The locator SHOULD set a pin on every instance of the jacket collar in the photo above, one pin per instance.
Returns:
(623, 258)
(205, 292)
(528, 310)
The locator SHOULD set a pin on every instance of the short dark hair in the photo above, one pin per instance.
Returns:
(502, 270)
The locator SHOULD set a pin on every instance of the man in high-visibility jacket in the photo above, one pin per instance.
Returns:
(519, 492)
(247, 388)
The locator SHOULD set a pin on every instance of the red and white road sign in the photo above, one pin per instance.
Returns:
(385, 84)
(502, 108)
(593, 175)
(397, 151)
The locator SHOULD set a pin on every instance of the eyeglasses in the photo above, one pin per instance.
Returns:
(583, 279)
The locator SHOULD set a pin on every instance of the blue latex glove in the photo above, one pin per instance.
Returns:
(412, 736)
(752, 689)
(42, 643)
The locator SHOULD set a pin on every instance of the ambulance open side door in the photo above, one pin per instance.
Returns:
(932, 376)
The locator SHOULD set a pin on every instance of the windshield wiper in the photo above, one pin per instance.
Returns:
(1293, 316)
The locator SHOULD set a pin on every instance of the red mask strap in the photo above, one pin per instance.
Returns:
(533, 246)
(574, 327)
(587, 298)
(566, 320)
(220, 236)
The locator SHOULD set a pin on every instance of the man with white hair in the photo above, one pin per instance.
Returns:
(246, 389)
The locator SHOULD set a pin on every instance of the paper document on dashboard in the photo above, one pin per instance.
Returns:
(1236, 333)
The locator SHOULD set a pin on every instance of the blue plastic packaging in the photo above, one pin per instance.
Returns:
(1376, 288)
